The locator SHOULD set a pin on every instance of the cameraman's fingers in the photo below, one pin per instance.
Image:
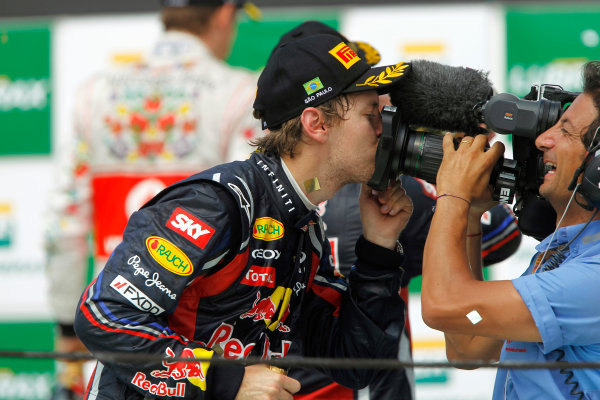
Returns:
(480, 140)
(448, 143)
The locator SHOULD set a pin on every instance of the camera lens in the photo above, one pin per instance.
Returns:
(423, 155)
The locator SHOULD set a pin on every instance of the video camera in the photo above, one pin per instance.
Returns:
(418, 153)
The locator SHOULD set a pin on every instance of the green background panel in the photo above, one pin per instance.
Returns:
(256, 39)
(26, 378)
(542, 34)
(549, 44)
(25, 90)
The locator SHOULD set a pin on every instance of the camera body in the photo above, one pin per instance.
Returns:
(418, 153)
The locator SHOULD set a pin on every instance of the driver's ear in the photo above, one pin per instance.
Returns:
(314, 124)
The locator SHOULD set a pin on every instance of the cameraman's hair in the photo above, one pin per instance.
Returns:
(591, 86)
(193, 19)
(283, 140)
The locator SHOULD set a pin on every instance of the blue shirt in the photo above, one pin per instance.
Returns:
(565, 305)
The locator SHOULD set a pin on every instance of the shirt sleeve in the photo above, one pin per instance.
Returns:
(564, 303)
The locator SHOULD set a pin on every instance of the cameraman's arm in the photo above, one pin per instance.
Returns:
(453, 301)
(460, 347)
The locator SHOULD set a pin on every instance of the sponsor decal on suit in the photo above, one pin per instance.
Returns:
(260, 276)
(135, 296)
(268, 229)
(194, 372)
(169, 256)
(190, 227)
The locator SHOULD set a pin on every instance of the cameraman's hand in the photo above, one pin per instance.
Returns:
(261, 383)
(465, 172)
(384, 214)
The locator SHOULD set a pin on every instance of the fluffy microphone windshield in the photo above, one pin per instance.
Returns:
(442, 97)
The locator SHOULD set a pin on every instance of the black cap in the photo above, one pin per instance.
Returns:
(312, 70)
(364, 50)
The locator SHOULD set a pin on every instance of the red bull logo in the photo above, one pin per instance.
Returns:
(195, 372)
(160, 389)
(234, 348)
(264, 309)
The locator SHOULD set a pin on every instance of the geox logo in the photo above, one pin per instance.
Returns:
(345, 55)
(190, 227)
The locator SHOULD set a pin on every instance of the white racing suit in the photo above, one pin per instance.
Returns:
(139, 128)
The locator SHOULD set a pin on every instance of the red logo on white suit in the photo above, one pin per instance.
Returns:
(115, 197)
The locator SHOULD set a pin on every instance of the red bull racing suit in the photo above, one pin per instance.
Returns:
(232, 262)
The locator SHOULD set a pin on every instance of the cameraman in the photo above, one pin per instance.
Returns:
(549, 313)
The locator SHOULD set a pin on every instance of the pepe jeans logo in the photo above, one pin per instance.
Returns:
(169, 256)
(267, 228)
(345, 55)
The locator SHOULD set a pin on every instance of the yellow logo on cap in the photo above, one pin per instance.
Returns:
(345, 55)
(383, 77)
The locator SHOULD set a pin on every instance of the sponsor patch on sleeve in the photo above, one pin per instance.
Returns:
(190, 227)
(169, 256)
(135, 295)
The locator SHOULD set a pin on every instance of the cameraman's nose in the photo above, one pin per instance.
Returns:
(544, 140)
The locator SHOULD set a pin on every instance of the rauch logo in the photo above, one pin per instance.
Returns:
(169, 256)
(268, 229)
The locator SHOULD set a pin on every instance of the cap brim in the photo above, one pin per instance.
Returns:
(381, 79)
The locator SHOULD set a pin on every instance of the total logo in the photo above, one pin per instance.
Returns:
(268, 229)
(169, 256)
(190, 227)
(195, 372)
(260, 276)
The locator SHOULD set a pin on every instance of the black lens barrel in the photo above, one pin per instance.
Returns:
(424, 154)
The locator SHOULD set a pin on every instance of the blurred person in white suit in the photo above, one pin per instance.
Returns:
(138, 128)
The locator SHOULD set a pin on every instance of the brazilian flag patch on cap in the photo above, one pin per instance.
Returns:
(313, 85)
